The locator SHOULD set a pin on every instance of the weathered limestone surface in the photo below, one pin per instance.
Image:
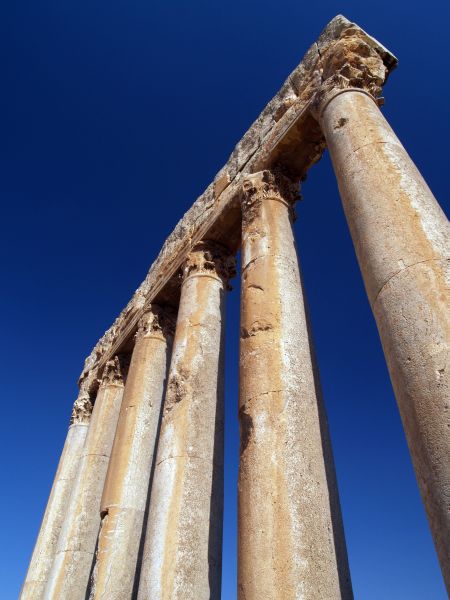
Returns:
(290, 538)
(402, 241)
(284, 132)
(55, 512)
(182, 553)
(69, 576)
(291, 542)
(126, 490)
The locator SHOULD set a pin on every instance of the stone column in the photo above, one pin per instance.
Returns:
(45, 548)
(182, 553)
(126, 490)
(401, 238)
(69, 576)
(290, 536)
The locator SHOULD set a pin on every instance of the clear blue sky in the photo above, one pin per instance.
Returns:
(114, 118)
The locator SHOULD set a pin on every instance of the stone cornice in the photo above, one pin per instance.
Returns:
(284, 133)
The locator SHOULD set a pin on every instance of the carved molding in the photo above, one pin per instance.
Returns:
(268, 184)
(350, 62)
(158, 320)
(210, 258)
(82, 409)
(285, 128)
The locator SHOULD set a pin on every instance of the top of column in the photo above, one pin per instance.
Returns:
(209, 258)
(115, 371)
(82, 409)
(350, 63)
(157, 321)
(265, 185)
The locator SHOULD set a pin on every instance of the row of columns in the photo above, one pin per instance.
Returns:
(149, 525)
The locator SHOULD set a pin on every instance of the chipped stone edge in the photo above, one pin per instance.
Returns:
(250, 154)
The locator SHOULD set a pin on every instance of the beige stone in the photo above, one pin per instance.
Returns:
(401, 238)
(182, 553)
(290, 538)
(69, 576)
(291, 543)
(55, 512)
(284, 133)
(126, 489)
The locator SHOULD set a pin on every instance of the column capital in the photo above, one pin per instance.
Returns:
(157, 321)
(210, 258)
(115, 371)
(351, 63)
(82, 409)
(267, 185)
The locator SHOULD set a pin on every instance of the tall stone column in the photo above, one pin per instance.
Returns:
(69, 576)
(401, 238)
(182, 553)
(290, 536)
(45, 548)
(127, 484)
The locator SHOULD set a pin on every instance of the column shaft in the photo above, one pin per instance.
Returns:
(290, 539)
(182, 553)
(69, 576)
(45, 547)
(126, 490)
(401, 238)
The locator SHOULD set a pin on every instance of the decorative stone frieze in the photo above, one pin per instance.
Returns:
(283, 133)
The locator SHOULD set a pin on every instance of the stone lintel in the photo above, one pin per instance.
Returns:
(286, 133)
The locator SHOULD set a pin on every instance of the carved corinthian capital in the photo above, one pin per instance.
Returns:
(115, 371)
(350, 63)
(157, 320)
(265, 185)
(210, 258)
(82, 409)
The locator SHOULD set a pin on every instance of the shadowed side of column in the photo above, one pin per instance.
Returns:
(72, 566)
(182, 554)
(127, 484)
(402, 242)
(290, 538)
(55, 512)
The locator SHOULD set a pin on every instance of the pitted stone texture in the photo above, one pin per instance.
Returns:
(290, 538)
(401, 238)
(182, 553)
(55, 512)
(71, 568)
(126, 489)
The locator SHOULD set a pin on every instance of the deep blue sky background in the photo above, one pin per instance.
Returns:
(114, 118)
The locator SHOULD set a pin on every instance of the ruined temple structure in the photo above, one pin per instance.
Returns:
(136, 506)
